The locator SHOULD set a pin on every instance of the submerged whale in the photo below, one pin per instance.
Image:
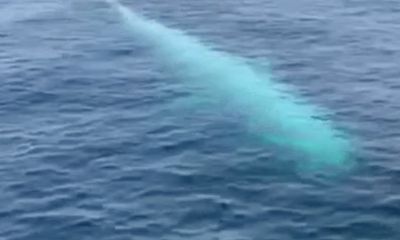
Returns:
(271, 110)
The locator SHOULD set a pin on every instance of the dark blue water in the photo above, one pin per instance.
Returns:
(92, 145)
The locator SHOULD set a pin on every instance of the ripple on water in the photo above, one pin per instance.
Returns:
(98, 141)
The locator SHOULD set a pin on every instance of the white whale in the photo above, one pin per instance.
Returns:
(271, 110)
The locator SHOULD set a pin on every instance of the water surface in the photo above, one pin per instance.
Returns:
(91, 146)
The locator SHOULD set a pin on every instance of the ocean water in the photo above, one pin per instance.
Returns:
(95, 142)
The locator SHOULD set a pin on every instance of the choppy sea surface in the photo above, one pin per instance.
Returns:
(93, 147)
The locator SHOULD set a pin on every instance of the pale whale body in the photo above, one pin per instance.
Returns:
(270, 110)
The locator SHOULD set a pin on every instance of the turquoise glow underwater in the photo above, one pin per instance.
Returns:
(271, 110)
